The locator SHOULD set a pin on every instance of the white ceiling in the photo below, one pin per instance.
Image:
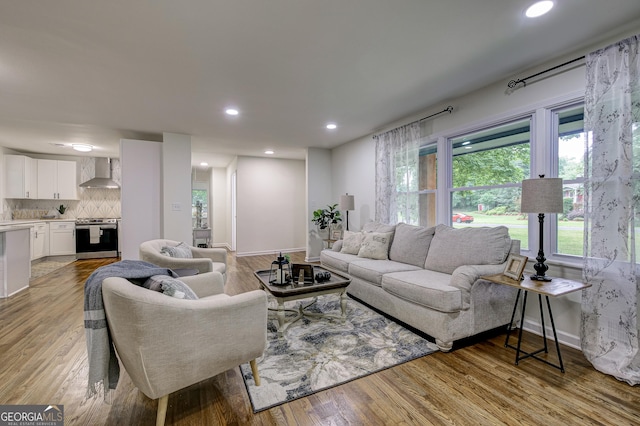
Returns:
(94, 72)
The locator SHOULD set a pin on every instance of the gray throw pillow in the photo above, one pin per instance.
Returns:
(181, 251)
(170, 286)
(411, 244)
(351, 242)
(375, 245)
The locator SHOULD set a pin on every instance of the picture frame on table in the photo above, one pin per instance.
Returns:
(515, 266)
(306, 270)
(336, 234)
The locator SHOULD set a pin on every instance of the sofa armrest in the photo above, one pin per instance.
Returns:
(466, 275)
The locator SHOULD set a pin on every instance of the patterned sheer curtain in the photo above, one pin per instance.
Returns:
(610, 327)
(397, 175)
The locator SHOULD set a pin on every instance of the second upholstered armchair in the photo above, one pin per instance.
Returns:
(176, 255)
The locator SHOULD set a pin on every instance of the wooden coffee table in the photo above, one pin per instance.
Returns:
(294, 291)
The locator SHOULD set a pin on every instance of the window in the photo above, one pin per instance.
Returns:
(487, 168)
(427, 184)
(199, 208)
(569, 148)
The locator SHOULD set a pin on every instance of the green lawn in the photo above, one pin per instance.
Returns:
(570, 234)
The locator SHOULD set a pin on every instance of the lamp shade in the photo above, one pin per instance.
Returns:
(543, 195)
(347, 202)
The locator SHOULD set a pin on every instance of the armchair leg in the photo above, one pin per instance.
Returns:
(254, 371)
(162, 410)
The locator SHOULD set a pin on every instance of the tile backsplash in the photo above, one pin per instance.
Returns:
(92, 202)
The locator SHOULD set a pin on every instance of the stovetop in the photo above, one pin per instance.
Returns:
(94, 221)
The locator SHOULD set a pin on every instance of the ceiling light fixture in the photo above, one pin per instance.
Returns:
(332, 126)
(82, 147)
(269, 152)
(231, 111)
(204, 164)
(466, 143)
(539, 9)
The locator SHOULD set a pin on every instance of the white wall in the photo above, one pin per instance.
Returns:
(271, 205)
(318, 182)
(176, 187)
(218, 209)
(353, 164)
(140, 163)
(355, 180)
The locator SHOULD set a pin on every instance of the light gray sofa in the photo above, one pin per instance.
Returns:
(431, 278)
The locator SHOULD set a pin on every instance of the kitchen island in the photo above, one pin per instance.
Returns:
(15, 259)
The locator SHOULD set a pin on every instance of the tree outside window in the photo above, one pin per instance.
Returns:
(487, 170)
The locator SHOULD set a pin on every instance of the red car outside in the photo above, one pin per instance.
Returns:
(461, 217)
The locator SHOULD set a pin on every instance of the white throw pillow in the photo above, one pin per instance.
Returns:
(375, 245)
(181, 251)
(351, 242)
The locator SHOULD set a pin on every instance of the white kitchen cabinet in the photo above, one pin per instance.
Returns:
(21, 177)
(57, 180)
(62, 238)
(39, 241)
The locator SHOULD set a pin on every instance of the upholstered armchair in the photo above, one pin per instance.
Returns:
(166, 344)
(203, 259)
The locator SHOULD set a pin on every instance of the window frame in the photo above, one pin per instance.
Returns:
(542, 161)
(552, 231)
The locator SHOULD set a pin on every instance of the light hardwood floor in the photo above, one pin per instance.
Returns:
(43, 361)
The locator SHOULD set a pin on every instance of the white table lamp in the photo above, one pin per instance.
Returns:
(541, 196)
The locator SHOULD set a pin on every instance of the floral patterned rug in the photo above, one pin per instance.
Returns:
(318, 353)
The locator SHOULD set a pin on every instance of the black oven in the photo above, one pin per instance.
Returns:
(96, 238)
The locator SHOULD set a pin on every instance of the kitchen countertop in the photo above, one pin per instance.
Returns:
(25, 221)
(9, 228)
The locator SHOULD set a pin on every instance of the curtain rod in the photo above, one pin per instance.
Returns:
(513, 83)
(448, 109)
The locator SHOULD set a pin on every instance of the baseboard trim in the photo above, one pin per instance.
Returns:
(260, 253)
(565, 338)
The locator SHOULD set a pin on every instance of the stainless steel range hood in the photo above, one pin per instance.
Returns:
(102, 178)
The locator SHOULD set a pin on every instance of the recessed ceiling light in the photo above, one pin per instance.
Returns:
(539, 9)
(466, 143)
(204, 164)
(82, 147)
(332, 126)
(231, 111)
(269, 152)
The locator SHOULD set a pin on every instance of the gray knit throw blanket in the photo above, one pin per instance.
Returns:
(104, 370)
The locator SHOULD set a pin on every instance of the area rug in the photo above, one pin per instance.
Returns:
(47, 266)
(318, 353)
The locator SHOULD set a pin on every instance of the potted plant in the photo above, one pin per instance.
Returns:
(326, 218)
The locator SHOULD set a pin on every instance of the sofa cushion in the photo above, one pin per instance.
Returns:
(411, 244)
(181, 251)
(426, 288)
(337, 260)
(375, 245)
(351, 242)
(452, 247)
(373, 270)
